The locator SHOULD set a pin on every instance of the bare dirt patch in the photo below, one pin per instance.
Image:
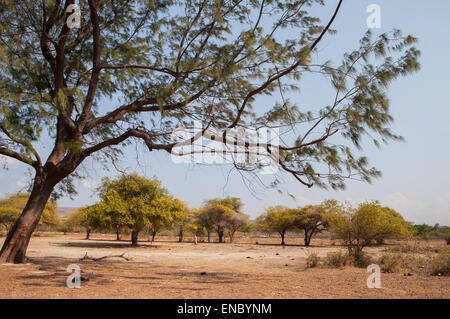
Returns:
(168, 269)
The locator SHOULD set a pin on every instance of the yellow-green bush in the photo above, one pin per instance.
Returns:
(391, 262)
(337, 259)
(312, 260)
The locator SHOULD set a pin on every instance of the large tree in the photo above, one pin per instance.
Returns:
(185, 221)
(279, 219)
(236, 222)
(233, 203)
(223, 215)
(82, 217)
(217, 217)
(166, 213)
(311, 220)
(139, 69)
(136, 202)
(359, 227)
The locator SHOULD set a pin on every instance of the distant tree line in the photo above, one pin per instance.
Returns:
(132, 204)
(135, 204)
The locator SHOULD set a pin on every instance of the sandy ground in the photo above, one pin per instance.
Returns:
(168, 269)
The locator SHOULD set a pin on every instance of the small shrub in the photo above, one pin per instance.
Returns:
(416, 263)
(440, 264)
(361, 261)
(408, 248)
(391, 262)
(312, 260)
(401, 249)
(337, 259)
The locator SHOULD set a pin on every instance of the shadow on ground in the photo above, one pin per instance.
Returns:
(102, 244)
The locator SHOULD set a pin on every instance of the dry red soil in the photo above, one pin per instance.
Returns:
(168, 269)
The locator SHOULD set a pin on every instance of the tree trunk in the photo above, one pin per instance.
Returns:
(307, 239)
(16, 243)
(220, 234)
(357, 252)
(153, 235)
(117, 234)
(134, 237)
(209, 236)
(88, 233)
(282, 239)
(180, 235)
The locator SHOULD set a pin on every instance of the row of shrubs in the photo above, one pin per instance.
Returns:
(437, 264)
(337, 259)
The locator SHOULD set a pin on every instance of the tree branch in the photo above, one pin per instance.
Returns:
(24, 159)
(96, 67)
(285, 72)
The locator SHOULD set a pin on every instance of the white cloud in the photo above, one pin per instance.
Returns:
(88, 184)
(399, 201)
(428, 210)
(303, 201)
(22, 182)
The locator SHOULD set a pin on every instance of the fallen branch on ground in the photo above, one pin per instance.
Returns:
(86, 257)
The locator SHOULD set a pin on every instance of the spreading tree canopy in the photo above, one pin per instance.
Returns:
(160, 64)
(278, 219)
(369, 222)
(136, 202)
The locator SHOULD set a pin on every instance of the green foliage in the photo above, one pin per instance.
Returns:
(233, 203)
(166, 212)
(367, 223)
(216, 217)
(77, 217)
(426, 232)
(312, 260)
(247, 228)
(193, 52)
(220, 215)
(192, 223)
(13, 205)
(278, 219)
(424, 229)
(86, 217)
(135, 202)
(235, 222)
(168, 63)
(311, 219)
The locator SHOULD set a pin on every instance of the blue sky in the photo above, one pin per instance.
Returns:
(415, 173)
